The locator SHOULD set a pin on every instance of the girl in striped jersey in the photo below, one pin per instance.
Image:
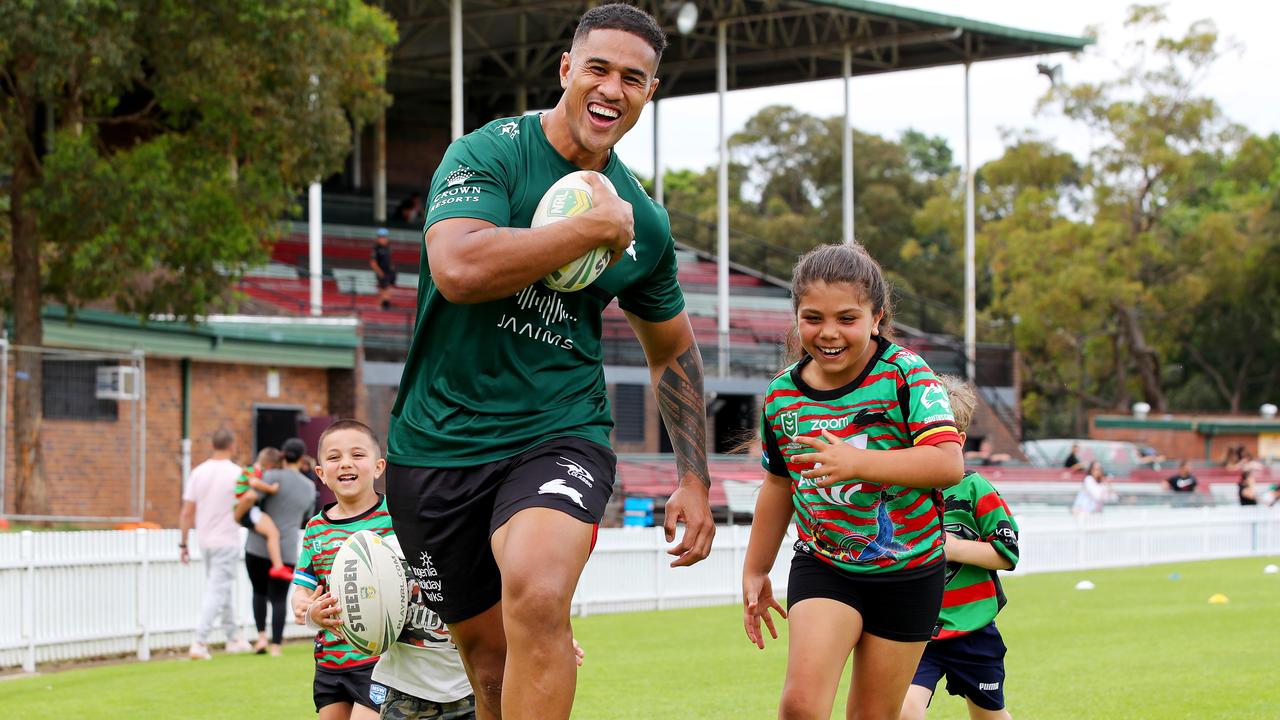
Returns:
(857, 438)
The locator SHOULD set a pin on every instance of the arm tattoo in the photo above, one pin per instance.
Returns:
(684, 413)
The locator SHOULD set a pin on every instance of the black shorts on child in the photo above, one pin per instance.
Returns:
(349, 686)
(901, 606)
(973, 665)
(444, 517)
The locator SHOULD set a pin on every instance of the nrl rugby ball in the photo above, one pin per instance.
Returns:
(570, 196)
(368, 581)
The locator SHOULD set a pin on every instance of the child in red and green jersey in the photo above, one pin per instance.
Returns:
(249, 489)
(350, 460)
(982, 537)
(857, 441)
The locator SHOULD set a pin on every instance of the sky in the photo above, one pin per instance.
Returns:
(1003, 93)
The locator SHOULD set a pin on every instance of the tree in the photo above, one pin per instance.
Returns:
(153, 145)
(1158, 133)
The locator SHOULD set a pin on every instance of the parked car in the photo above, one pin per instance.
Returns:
(1117, 458)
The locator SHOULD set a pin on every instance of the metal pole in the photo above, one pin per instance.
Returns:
(722, 201)
(848, 148)
(380, 168)
(357, 159)
(970, 275)
(313, 234)
(142, 436)
(455, 65)
(658, 193)
(4, 412)
(186, 423)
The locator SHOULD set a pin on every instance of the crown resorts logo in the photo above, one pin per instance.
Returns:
(458, 176)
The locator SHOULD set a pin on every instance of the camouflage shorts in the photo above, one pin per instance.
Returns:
(399, 706)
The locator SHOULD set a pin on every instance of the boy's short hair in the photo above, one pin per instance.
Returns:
(963, 400)
(223, 439)
(349, 424)
(269, 457)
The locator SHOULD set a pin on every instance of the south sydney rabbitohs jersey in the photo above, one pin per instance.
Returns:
(487, 381)
(857, 526)
(320, 542)
(975, 511)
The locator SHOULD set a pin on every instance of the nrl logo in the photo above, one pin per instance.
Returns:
(791, 424)
(459, 176)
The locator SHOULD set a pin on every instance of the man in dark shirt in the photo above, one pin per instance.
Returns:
(1184, 481)
(1073, 459)
(383, 267)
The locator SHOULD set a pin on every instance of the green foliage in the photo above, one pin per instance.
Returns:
(183, 131)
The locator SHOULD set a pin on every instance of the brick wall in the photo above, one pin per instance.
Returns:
(1179, 444)
(87, 463)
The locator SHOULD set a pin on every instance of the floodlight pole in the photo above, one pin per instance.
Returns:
(970, 275)
(658, 193)
(722, 203)
(455, 65)
(313, 236)
(847, 172)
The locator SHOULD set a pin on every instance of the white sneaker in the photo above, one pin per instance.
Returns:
(199, 651)
(238, 646)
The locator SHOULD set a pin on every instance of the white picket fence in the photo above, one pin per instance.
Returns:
(79, 595)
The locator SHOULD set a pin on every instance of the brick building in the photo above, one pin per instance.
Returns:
(1193, 437)
(265, 378)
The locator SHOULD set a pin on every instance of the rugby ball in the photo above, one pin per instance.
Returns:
(570, 196)
(368, 581)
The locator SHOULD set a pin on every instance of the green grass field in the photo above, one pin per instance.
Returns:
(1141, 645)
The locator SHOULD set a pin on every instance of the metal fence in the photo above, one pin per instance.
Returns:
(92, 433)
(89, 594)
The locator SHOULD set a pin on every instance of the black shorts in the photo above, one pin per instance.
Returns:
(444, 517)
(250, 517)
(345, 686)
(401, 706)
(973, 665)
(901, 606)
(387, 279)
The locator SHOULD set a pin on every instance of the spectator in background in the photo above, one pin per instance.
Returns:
(1095, 493)
(1184, 481)
(985, 456)
(410, 210)
(1150, 457)
(291, 505)
(207, 503)
(384, 267)
(1073, 461)
(1248, 487)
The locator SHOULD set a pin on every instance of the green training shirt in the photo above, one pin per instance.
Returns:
(975, 511)
(857, 526)
(320, 542)
(486, 381)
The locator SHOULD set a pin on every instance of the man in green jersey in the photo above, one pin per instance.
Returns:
(982, 537)
(500, 465)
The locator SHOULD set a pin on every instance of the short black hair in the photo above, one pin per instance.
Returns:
(624, 17)
(293, 449)
(349, 424)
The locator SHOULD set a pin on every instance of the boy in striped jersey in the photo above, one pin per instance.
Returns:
(982, 537)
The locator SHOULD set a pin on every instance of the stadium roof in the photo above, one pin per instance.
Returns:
(509, 45)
